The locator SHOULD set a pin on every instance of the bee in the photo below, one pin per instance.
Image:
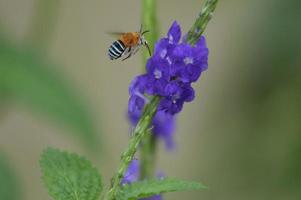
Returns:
(127, 44)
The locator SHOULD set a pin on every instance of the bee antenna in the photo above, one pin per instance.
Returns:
(141, 28)
(145, 32)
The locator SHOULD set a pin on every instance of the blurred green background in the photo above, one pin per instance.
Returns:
(241, 136)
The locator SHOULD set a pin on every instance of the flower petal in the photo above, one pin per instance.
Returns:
(132, 173)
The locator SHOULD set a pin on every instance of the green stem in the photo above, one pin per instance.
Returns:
(150, 22)
(139, 132)
(148, 144)
(44, 23)
(148, 156)
(201, 22)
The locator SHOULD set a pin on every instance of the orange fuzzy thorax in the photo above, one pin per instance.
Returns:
(130, 39)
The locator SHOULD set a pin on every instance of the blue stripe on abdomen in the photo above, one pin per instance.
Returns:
(119, 44)
(116, 50)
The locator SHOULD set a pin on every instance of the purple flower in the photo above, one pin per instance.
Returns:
(176, 93)
(137, 90)
(164, 128)
(190, 61)
(132, 173)
(170, 72)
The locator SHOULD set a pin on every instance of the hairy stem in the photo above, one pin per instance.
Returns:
(201, 22)
(148, 144)
(139, 132)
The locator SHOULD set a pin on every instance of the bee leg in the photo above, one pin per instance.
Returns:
(126, 57)
(127, 53)
(135, 50)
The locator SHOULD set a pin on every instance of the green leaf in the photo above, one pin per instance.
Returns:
(28, 80)
(69, 176)
(9, 187)
(147, 188)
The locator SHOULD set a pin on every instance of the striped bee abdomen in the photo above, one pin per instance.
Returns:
(116, 49)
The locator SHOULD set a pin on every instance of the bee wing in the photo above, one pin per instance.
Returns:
(115, 34)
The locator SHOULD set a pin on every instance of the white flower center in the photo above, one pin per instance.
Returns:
(188, 60)
(170, 38)
(158, 74)
(175, 97)
(146, 100)
(168, 60)
(163, 53)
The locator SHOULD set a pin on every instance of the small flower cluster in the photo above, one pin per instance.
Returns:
(132, 175)
(170, 72)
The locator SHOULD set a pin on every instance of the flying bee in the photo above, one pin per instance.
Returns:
(127, 44)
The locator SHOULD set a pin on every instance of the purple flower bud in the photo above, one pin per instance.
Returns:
(174, 33)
